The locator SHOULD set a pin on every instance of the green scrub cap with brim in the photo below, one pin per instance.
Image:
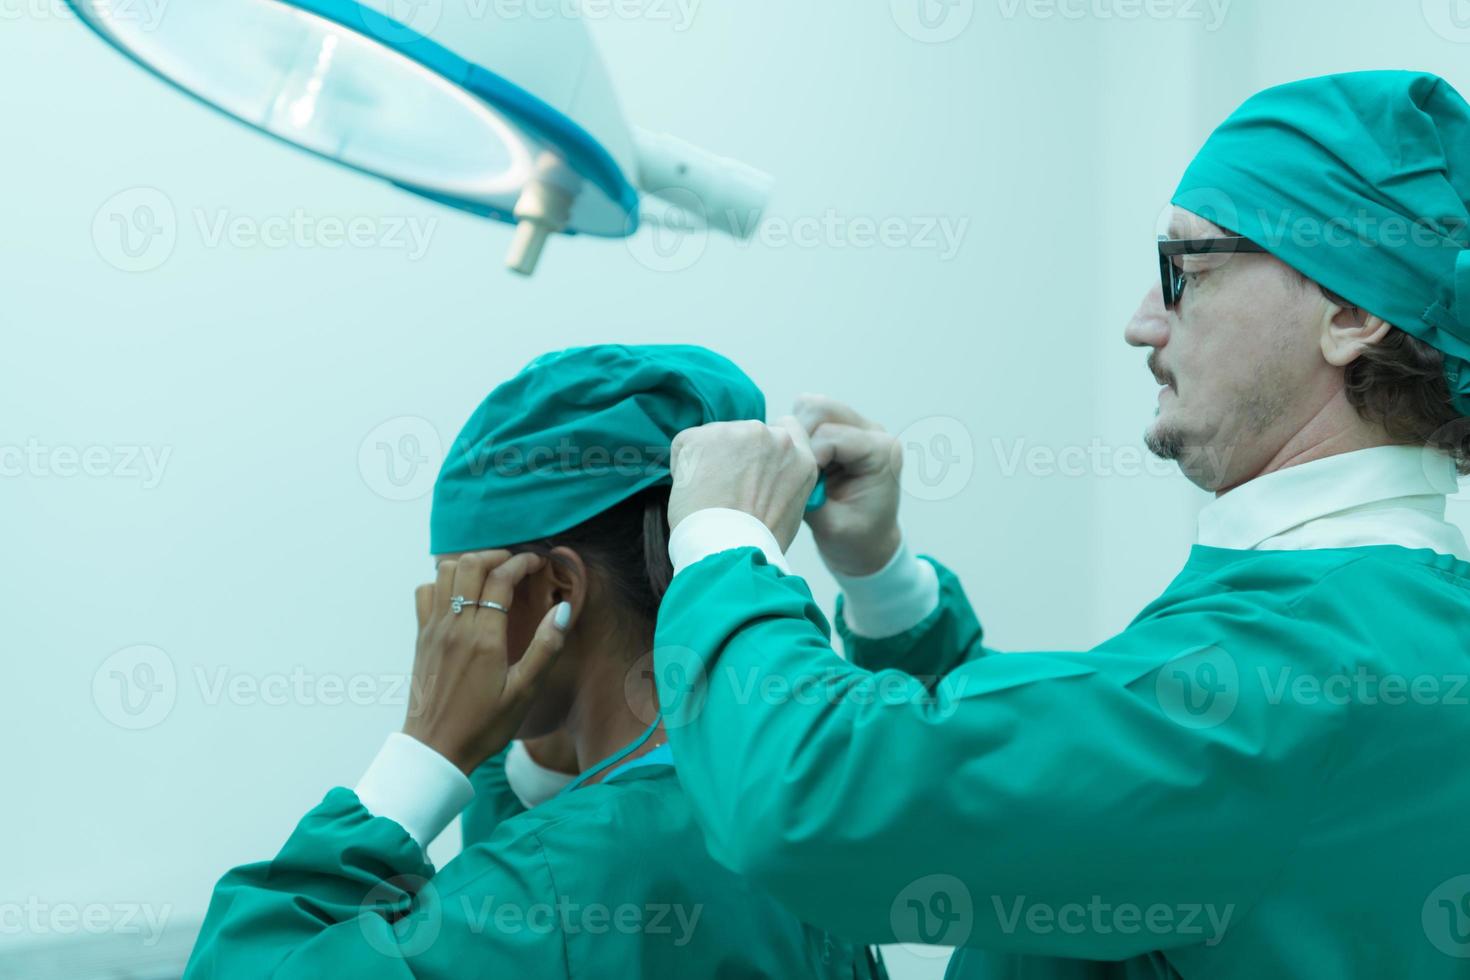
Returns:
(577, 432)
(1361, 182)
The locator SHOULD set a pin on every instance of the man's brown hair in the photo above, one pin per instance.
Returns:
(1399, 384)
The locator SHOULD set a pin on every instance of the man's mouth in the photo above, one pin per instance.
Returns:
(1164, 380)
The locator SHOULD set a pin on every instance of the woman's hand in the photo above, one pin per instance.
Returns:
(468, 699)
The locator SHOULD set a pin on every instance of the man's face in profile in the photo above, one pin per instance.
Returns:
(1233, 359)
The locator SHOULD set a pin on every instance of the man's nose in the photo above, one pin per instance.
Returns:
(1150, 324)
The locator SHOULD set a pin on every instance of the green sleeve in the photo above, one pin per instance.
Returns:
(1050, 781)
(351, 895)
(494, 801)
(947, 637)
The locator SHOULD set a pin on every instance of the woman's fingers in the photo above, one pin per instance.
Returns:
(443, 588)
(525, 676)
(500, 584)
(469, 578)
(423, 601)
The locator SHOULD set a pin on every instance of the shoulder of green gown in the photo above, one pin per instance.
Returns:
(1293, 573)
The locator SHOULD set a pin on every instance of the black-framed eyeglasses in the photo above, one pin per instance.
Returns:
(1173, 277)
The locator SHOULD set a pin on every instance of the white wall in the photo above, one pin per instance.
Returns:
(270, 550)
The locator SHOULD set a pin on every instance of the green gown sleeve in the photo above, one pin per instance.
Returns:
(494, 801)
(351, 895)
(947, 637)
(1021, 782)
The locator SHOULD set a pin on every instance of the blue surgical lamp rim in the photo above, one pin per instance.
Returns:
(581, 151)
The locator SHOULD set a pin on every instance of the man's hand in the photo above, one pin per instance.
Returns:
(764, 470)
(857, 529)
(468, 699)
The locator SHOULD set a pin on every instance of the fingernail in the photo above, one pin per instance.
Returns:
(563, 617)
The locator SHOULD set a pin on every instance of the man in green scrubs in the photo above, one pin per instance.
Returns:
(1263, 775)
(567, 464)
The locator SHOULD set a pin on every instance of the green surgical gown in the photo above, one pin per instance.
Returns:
(605, 880)
(1263, 776)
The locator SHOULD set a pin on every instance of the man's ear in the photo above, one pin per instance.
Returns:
(1348, 331)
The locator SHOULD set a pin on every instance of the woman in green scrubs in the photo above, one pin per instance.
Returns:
(565, 469)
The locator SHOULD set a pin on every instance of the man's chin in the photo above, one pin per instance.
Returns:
(1165, 440)
(1199, 459)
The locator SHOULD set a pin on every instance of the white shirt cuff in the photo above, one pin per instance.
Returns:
(414, 786)
(897, 597)
(715, 529)
(531, 782)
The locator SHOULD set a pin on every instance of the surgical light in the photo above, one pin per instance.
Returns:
(501, 111)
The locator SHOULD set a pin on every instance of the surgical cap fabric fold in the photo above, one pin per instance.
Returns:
(1361, 182)
(575, 433)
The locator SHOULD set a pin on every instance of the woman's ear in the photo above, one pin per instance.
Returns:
(1348, 331)
(567, 579)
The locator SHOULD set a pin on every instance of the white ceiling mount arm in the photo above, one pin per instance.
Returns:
(720, 193)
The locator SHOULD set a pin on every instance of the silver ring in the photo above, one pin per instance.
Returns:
(458, 602)
(487, 604)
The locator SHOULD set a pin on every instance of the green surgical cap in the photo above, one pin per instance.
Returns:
(1361, 182)
(575, 433)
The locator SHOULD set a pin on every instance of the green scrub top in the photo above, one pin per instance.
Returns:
(1263, 775)
(605, 880)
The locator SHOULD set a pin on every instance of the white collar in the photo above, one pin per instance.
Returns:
(1259, 510)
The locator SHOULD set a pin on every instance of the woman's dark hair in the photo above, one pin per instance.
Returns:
(629, 544)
